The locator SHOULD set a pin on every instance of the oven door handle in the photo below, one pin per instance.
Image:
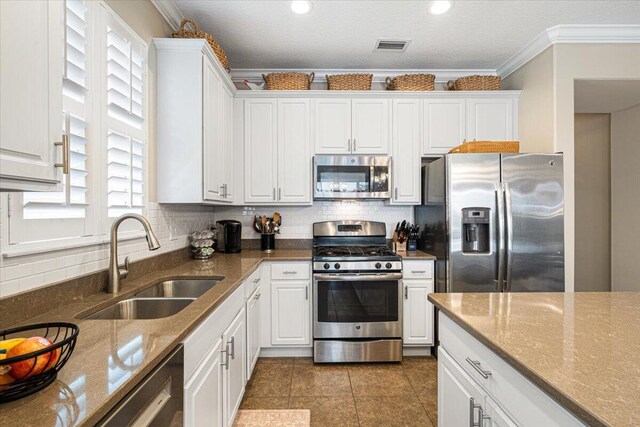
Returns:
(359, 277)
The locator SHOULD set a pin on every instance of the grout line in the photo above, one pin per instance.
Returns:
(424, 408)
(353, 397)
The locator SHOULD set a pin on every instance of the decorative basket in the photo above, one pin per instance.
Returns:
(288, 81)
(349, 82)
(411, 82)
(197, 33)
(488, 147)
(63, 336)
(475, 82)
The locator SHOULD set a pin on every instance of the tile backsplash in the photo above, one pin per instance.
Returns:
(23, 273)
(297, 220)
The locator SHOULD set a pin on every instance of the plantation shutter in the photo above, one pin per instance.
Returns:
(61, 214)
(126, 139)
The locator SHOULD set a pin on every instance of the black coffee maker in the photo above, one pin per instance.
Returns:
(228, 236)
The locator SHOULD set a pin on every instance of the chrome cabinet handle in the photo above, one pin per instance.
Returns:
(232, 341)
(472, 411)
(279, 193)
(226, 193)
(478, 368)
(349, 144)
(257, 297)
(289, 272)
(354, 144)
(274, 193)
(406, 292)
(225, 353)
(418, 271)
(66, 154)
(395, 191)
(306, 293)
(256, 280)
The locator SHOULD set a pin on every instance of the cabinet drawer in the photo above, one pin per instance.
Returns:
(252, 282)
(525, 403)
(417, 270)
(290, 271)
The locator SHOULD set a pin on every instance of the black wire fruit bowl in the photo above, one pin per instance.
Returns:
(31, 372)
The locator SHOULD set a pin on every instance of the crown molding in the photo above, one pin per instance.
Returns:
(577, 34)
(379, 75)
(169, 12)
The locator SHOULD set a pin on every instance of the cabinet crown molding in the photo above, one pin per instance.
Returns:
(444, 94)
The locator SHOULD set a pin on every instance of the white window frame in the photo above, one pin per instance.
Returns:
(98, 223)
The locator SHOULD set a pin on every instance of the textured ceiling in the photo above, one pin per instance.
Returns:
(341, 34)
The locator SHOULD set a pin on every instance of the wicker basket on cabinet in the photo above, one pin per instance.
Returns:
(475, 82)
(349, 82)
(411, 82)
(197, 33)
(487, 147)
(288, 81)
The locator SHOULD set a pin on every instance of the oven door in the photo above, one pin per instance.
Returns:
(357, 305)
(352, 177)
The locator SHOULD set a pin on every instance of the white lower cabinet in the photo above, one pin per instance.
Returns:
(203, 392)
(476, 387)
(253, 330)
(417, 311)
(290, 313)
(233, 374)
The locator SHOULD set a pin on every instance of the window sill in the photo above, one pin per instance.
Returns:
(26, 249)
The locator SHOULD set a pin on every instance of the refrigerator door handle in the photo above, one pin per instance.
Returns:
(509, 221)
(500, 240)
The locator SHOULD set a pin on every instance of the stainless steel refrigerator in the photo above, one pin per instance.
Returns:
(495, 222)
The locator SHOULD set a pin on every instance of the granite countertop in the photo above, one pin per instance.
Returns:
(112, 356)
(583, 349)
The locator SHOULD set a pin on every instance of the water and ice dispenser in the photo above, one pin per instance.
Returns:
(475, 230)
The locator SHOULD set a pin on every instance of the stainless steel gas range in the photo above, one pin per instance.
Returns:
(357, 294)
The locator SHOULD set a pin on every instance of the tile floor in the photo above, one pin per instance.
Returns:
(348, 395)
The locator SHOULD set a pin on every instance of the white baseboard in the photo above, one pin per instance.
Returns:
(416, 351)
(286, 352)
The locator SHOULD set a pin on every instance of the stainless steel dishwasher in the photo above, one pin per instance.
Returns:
(156, 401)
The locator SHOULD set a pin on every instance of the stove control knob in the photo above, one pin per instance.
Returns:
(326, 266)
(336, 266)
(378, 265)
(388, 265)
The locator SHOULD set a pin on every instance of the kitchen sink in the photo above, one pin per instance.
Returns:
(178, 289)
(143, 308)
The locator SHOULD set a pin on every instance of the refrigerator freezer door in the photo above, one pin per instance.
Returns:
(534, 211)
(471, 183)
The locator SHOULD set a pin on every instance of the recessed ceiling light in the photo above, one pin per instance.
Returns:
(301, 6)
(439, 7)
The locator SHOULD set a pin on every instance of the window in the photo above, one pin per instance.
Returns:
(104, 95)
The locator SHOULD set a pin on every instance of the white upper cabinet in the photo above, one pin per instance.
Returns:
(194, 124)
(277, 139)
(444, 125)
(31, 72)
(260, 148)
(492, 119)
(332, 126)
(370, 126)
(406, 152)
(294, 151)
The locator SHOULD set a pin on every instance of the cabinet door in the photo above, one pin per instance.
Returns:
(253, 330)
(290, 314)
(418, 313)
(203, 393)
(370, 126)
(490, 119)
(459, 398)
(332, 126)
(233, 377)
(444, 125)
(31, 67)
(212, 122)
(495, 416)
(406, 152)
(294, 151)
(260, 150)
(227, 144)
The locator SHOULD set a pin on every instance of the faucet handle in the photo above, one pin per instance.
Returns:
(124, 272)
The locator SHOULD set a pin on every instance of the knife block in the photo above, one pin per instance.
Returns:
(400, 247)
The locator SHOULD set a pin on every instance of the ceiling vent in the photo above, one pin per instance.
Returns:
(391, 45)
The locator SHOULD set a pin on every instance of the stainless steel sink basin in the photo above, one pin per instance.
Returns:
(178, 289)
(143, 308)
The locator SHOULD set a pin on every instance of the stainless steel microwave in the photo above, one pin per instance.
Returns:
(351, 177)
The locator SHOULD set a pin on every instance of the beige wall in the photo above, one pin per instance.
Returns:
(625, 199)
(536, 111)
(148, 23)
(593, 195)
